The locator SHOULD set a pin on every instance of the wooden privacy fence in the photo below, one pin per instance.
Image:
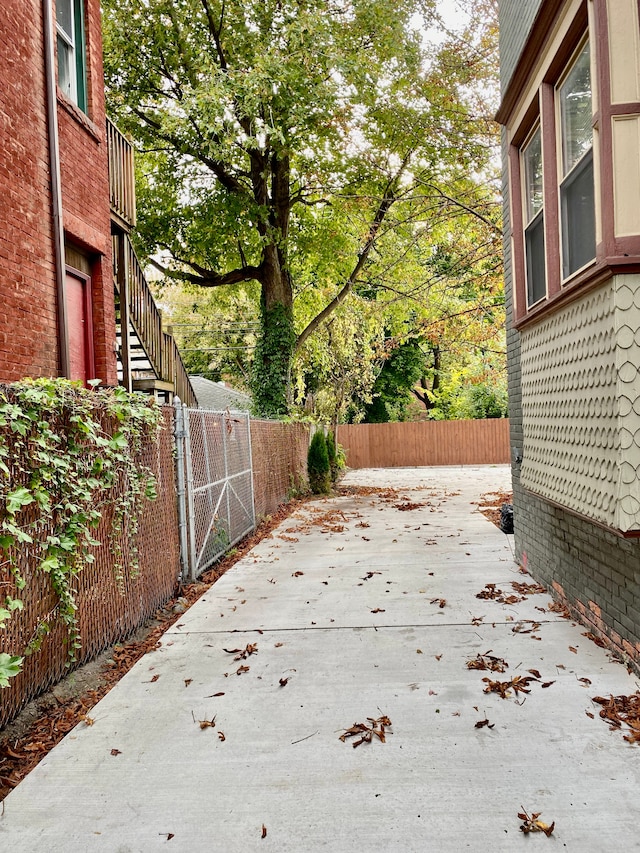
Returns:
(401, 445)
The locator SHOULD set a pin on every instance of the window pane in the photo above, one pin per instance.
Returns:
(534, 248)
(65, 69)
(578, 218)
(64, 17)
(576, 111)
(532, 157)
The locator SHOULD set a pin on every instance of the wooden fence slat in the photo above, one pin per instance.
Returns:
(400, 445)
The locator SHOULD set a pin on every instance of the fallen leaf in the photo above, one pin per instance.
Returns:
(487, 661)
(532, 824)
(365, 732)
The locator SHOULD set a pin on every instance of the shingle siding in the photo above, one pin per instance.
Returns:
(516, 18)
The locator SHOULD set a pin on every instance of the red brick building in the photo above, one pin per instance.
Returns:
(57, 315)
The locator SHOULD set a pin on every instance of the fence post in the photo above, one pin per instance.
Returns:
(253, 497)
(191, 516)
(179, 435)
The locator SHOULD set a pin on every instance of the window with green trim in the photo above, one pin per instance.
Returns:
(72, 77)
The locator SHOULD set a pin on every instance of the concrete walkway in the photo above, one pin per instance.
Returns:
(343, 604)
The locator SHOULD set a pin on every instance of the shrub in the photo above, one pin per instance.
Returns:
(318, 466)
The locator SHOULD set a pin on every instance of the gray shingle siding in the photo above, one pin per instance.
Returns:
(516, 18)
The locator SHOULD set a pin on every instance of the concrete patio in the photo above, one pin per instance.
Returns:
(343, 603)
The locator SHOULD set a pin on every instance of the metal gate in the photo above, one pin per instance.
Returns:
(215, 484)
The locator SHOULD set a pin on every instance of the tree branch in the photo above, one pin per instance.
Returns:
(209, 278)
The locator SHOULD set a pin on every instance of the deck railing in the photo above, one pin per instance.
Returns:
(122, 184)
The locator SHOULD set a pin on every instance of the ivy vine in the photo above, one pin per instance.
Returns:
(272, 362)
(65, 453)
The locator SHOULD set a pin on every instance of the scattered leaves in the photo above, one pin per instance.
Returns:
(519, 684)
(528, 588)
(488, 661)
(532, 824)
(365, 732)
(621, 711)
(243, 654)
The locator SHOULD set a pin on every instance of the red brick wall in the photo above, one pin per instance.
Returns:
(28, 320)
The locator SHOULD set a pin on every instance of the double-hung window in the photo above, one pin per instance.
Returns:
(534, 218)
(577, 204)
(71, 50)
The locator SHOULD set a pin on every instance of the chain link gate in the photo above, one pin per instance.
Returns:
(215, 484)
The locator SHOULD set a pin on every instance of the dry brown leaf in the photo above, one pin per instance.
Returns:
(365, 732)
(488, 661)
(532, 824)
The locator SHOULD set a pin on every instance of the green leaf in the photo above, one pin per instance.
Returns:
(17, 499)
(10, 666)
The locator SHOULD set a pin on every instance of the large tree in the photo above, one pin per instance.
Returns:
(302, 144)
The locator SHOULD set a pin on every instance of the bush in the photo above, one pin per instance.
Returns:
(318, 466)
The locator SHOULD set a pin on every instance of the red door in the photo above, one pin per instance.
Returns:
(79, 327)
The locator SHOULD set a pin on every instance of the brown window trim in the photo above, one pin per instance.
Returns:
(584, 281)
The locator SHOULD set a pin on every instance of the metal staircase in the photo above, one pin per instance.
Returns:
(148, 358)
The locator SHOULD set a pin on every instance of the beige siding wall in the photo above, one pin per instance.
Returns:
(581, 405)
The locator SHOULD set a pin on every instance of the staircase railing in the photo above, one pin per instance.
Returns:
(122, 180)
(141, 311)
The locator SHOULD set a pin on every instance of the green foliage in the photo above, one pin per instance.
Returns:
(322, 153)
(66, 453)
(318, 466)
(10, 665)
(271, 379)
